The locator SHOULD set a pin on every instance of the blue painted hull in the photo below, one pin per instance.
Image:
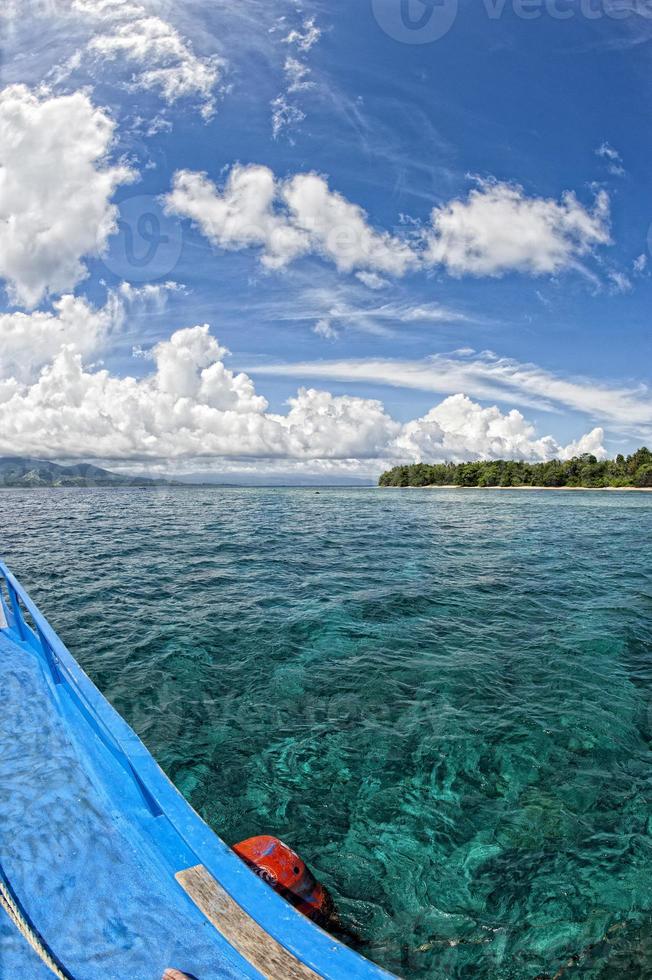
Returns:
(92, 834)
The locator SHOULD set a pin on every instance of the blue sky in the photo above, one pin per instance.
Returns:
(523, 127)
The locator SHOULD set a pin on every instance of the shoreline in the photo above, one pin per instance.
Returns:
(527, 486)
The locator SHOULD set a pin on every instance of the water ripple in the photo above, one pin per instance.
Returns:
(440, 699)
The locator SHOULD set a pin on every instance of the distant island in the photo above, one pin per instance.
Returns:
(581, 472)
(20, 471)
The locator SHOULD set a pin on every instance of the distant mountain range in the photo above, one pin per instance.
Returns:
(20, 471)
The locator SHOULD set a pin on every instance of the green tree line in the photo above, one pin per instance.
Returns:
(581, 471)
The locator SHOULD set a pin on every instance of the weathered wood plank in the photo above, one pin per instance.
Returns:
(263, 951)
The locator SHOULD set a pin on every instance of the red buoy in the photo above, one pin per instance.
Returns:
(280, 867)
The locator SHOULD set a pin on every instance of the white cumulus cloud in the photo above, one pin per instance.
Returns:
(28, 341)
(591, 442)
(241, 215)
(339, 230)
(499, 229)
(56, 186)
(192, 407)
(495, 230)
(320, 425)
(459, 429)
(286, 219)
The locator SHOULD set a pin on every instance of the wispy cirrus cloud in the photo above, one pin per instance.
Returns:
(612, 158)
(287, 113)
(145, 50)
(346, 306)
(487, 376)
(305, 36)
(381, 319)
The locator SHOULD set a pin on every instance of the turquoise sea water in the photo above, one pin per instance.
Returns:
(441, 699)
